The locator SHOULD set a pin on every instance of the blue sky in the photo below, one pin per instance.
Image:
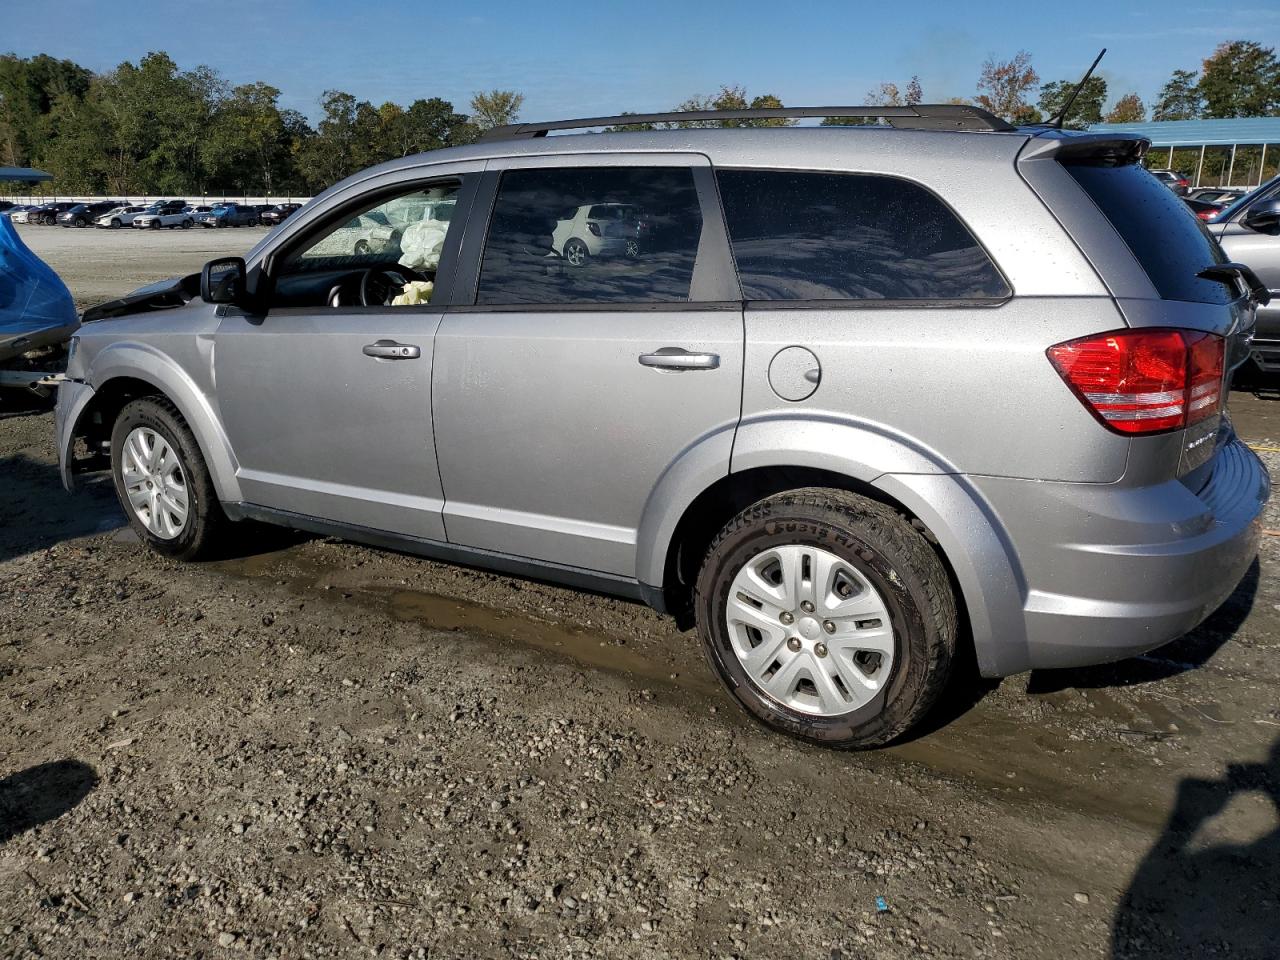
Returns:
(588, 58)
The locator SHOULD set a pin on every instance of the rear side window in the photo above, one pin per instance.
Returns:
(838, 236)
(592, 235)
(1166, 238)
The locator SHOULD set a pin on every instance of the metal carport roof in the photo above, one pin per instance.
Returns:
(1196, 133)
(24, 175)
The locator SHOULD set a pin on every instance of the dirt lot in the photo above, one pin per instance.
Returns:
(314, 749)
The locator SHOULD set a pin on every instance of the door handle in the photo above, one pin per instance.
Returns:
(390, 350)
(678, 358)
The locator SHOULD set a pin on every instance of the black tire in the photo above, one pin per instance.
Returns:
(206, 522)
(155, 224)
(115, 223)
(188, 224)
(361, 248)
(893, 556)
(81, 222)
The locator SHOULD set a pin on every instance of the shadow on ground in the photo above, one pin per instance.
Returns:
(36, 512)
(1193, 897)
(1189, 652)
(42, 793)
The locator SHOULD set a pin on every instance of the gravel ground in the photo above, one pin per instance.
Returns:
(315, 749)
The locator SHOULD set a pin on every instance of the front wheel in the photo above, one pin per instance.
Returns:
(162, 481)
(828, 617)
(115, 224)
(155, 224)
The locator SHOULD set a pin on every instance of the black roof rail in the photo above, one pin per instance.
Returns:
(919, 116)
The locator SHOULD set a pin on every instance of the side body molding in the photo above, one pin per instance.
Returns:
(969, 534)
(139, 361)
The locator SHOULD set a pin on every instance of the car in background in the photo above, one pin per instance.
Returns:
(6, 206)
(121, 216)
(1175, 181)
(48, 213)
(18, 212)
(1205, 209)
(278, 214)
(599, 229)
(229, 215)
(1249, 232)
(171, 214)
(83, 214)
(1223, 195)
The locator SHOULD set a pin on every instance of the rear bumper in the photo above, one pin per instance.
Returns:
(1111, 572)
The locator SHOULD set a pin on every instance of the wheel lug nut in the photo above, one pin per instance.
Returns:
(829, 626)
(786, 617)
(806, 606)
(793, 644)
(820, 649)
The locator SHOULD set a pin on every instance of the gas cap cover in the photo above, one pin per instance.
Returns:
(794, 373)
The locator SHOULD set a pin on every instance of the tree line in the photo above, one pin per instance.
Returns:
(152, 128)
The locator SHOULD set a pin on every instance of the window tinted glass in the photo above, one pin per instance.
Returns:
(834, 236)
(1165, 236)
(592, 235)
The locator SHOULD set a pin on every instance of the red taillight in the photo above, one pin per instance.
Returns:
(1145, 381)
(594, 228)
(1182, 183)
(1207, 214)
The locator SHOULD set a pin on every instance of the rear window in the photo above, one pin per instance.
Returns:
(539, 250)
(1166, 238)
(838, 236)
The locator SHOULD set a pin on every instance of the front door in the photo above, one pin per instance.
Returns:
(326, 399)
(594, 355)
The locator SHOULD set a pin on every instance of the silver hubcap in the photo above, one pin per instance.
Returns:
(575, 254)
(154, 482)
(810, 630)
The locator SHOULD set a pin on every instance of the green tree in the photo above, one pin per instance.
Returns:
(1087, 107)
(246, 147)
(1003, 87)
(1241, 79)
(495, 108)
(731, 98)
(1128, 109)
(1180, 98)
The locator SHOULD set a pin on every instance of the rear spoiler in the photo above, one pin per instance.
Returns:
(1099, 149)
(1226, 272)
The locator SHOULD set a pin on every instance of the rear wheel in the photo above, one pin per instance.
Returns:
(576, 252)
(828, 617)
(188, 224)
(162, 481)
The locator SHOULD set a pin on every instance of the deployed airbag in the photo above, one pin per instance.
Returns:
(36, 309)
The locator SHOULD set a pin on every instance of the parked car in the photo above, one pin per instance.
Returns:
(1217, 194)
(6, 206)
(83, 214)
(598, 230)
(18, 212)
(1175, 181)
(229, 215)
(380, 231)
(1249, 231)
(1204, 209)
(47, 213)
(275, 215)
(121, 216)
(168, 215)
(839, 421)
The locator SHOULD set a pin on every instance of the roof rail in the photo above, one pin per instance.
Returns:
(919, 116)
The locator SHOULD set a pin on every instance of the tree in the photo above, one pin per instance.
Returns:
(914, 93)
(885, 95)
(1180, 98)
(1241, 79)
(1003, 87)
(1128, 109)
(495, 108)
(1087, 107)
(730, 98)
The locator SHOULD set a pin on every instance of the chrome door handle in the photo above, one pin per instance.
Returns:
(678, 358)
(390, 350)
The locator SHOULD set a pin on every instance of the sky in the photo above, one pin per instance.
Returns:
(595, 58)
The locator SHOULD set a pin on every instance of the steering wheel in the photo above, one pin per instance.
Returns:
(380, 285)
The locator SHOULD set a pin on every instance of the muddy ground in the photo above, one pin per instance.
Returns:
(315, 749)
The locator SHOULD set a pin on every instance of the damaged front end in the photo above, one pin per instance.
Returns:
(37, 318)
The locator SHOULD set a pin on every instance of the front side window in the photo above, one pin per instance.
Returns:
(839, 236)
(592, 235)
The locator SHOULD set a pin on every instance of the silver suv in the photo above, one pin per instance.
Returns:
(863, 394)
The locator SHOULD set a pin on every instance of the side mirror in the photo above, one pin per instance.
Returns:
(1263, 216)
(223, 281)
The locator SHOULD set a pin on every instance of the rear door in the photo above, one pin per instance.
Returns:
(566, 390)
